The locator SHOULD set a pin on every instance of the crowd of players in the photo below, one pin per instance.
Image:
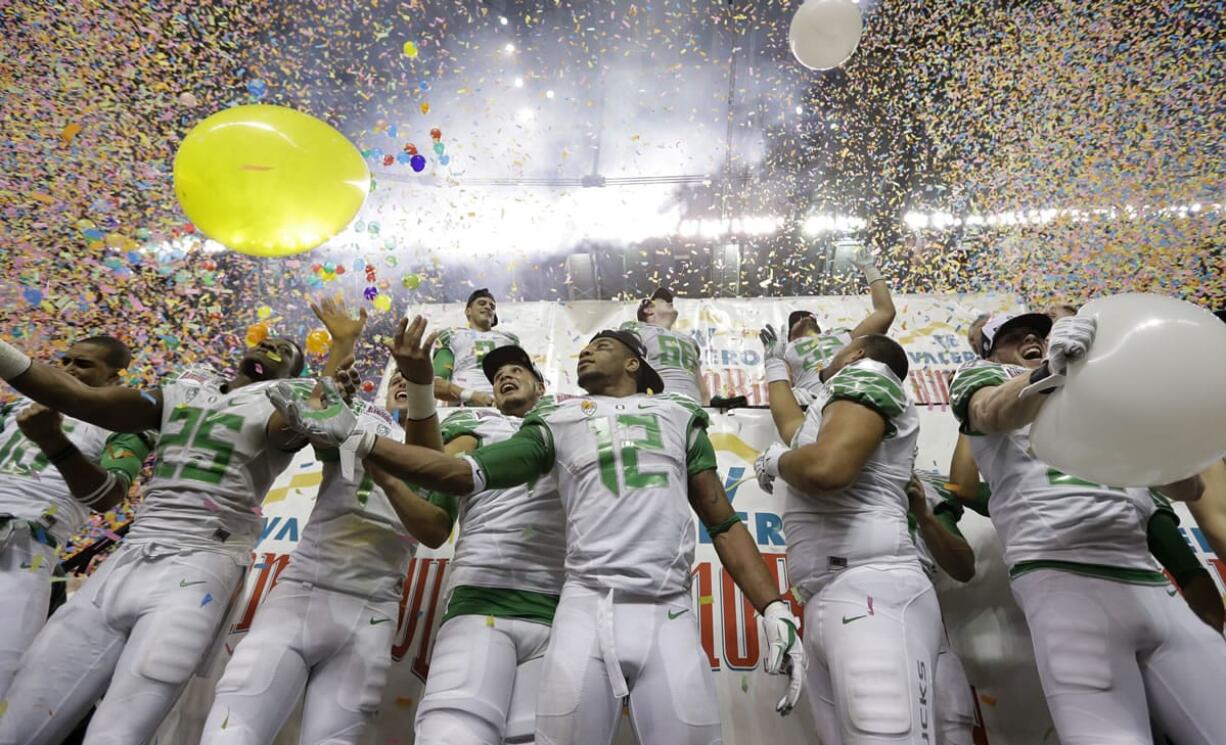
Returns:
(569, 592)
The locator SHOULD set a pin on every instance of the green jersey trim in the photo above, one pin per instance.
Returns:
(1115, 574)
(469, 600)
(124, 455)
(459, 424)
(444, 364)
(871, 389)
(966, 383)
(701, 454)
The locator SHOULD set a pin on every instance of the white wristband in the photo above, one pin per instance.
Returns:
(776, 370)
(478, 476)
(107, 484)
(13, 361)
(421, 400)
(466, 394)
(871, 273)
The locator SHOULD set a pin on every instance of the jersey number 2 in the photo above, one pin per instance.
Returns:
(628, 455)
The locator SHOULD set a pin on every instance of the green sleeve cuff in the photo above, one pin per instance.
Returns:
(124, 455)
(448, 503)
(723, 527)
(948, 520)
(701, 454)
(518, 460)
(444, 363)
(1170, 549)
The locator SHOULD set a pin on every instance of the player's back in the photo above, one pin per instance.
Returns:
(468, 347)
(30, 487)
(673, 354)
(866, 522)
(807, 356)
(354, 541)
(1041, 513)
(621, 465)
(509, 538)
(214, 465)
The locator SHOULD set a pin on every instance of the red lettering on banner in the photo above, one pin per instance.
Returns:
(738, 626)
(777, 565)
(705, 605)
(270, 566)
(416, 603)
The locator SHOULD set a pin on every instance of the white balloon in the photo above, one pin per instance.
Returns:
(1147, 405)
(824, 33)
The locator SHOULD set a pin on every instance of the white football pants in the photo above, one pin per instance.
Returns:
(872, 637)
(25, 587)
(1111, 653)
(484, 676)
(334, 646)
(137, 629)
(954, 705)
(603, 650)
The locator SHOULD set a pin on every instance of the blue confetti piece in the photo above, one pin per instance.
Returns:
(208, 598)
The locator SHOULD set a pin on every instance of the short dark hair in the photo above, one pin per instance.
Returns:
(118, 356)
(885, 350)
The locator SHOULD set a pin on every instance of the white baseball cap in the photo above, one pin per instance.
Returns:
(1003, 322)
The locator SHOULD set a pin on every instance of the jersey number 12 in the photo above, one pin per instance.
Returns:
(625, 460)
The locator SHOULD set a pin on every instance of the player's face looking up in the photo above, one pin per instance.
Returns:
(275, 357)
(1022, 346)
(516, 389)
(662, 313)
(603, 362)
(87, 363)
(481, 313)
(806, 326)
(397, 392)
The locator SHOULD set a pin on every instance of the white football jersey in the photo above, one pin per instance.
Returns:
(865, 523)
(214, 466)
(674, 355)
(469, 347)
(1041, 513)
(354, 542)
(33, 489)
(807, 356)
(623, 469)
(512, 539)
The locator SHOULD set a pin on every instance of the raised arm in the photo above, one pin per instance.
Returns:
(113, 408)
(785, 411)
(882, 315)
(849, 434)
(412, 356)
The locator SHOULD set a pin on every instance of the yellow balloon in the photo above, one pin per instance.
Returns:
(269, 181)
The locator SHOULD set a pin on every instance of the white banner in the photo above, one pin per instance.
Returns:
(985, 626)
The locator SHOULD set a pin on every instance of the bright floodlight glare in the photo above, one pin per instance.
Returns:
(915, 220)
(519, 82)
(502, 20)
(509, 49)
(800, 110)
(548, 94)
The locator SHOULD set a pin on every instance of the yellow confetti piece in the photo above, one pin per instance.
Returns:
(706, 600)
(489, 621)
(404, 701)
(36, 563)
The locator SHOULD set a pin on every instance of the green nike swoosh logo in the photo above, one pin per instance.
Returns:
(674, 614)
(185, 583)
(25, 565)
(1171, 592)
(376, 621)
(847, 620)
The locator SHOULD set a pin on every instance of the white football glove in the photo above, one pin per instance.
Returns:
(863, 259)
(773, 356)
(766, 467)
(335, 425)
(1070, 339)
(785, 652)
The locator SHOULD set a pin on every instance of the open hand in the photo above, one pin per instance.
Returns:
(335, 316)
(411, 352)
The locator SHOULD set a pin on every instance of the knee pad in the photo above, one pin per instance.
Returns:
(175, 645)
(875, 688)
(368, 693)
